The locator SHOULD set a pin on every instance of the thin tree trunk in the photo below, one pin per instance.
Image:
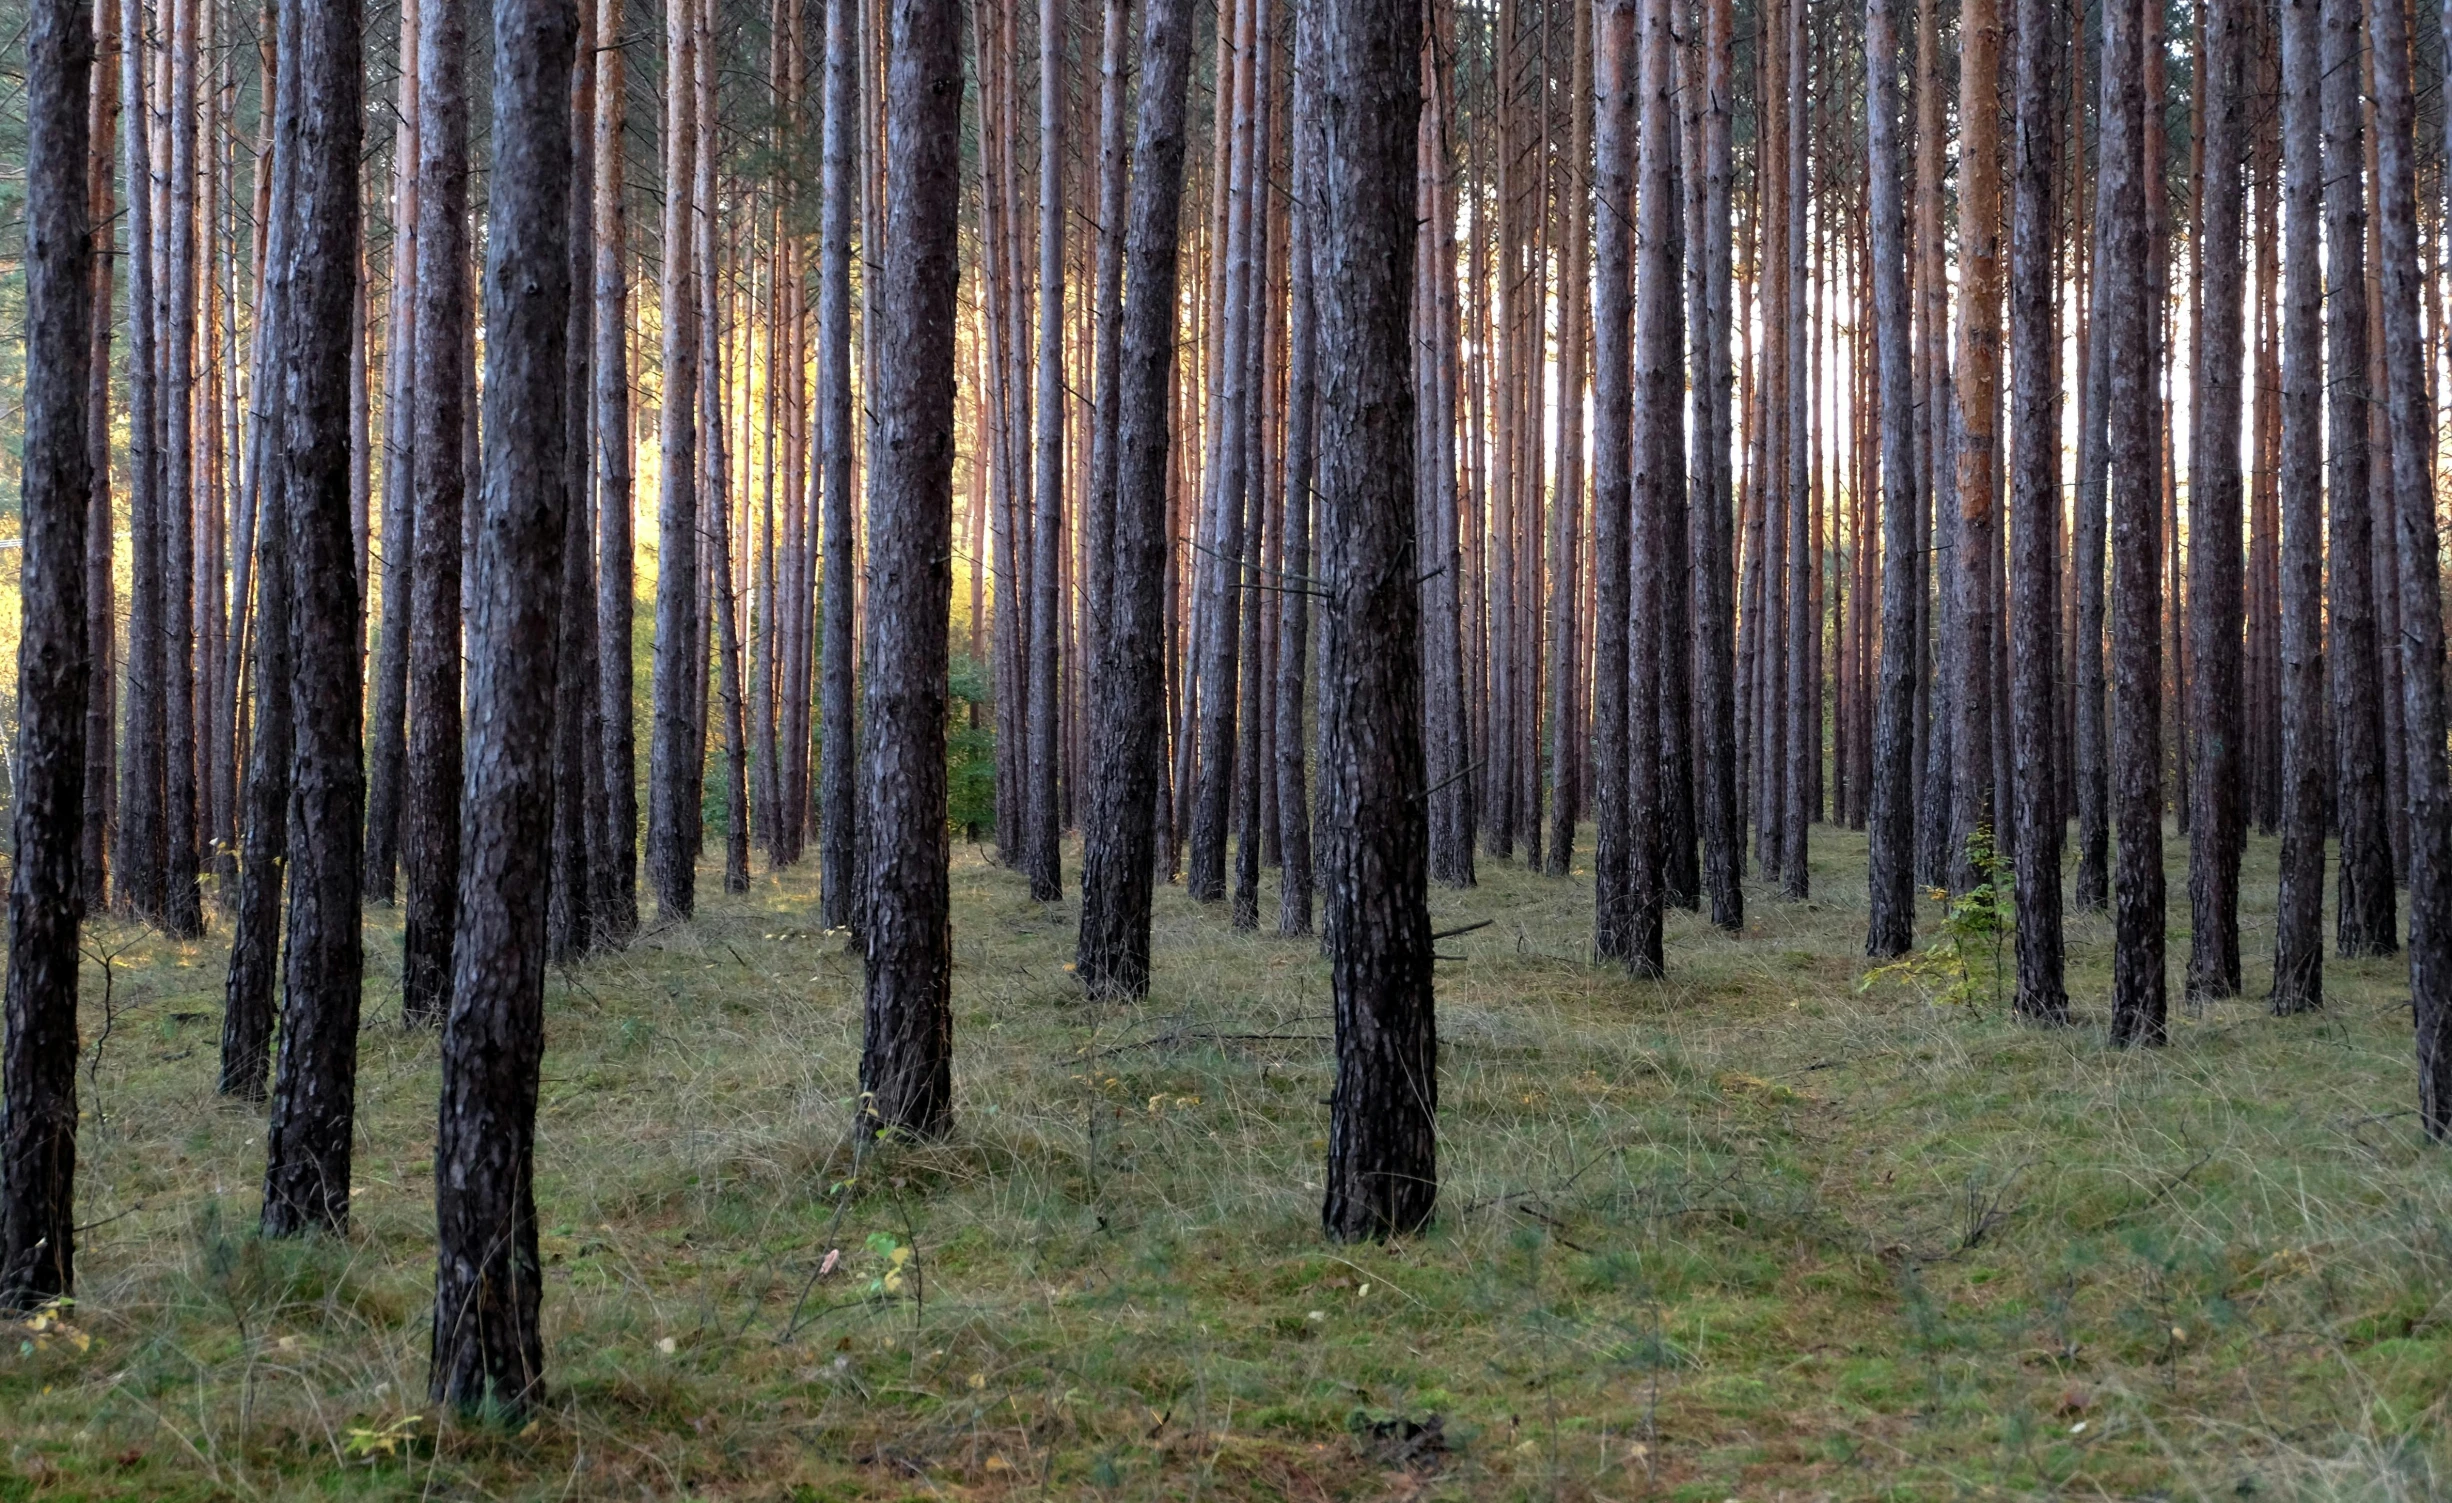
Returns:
(1715, 702)
(570, 918)
(1979, 363)
(1294, 892)
(838, 776)
(306, 1175)
(430, 836)
(2035, 505)
(38, 1125)
(101, 578)
(617, 866)
(1891, 819)
(2217, 825)
(183, 749)
(1615, 90)
(677, 745)
(2364, 919)
(1042, 845)
(387, 748)
(141, 771)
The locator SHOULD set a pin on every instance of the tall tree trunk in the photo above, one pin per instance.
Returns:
(838, 808)
(1891, 818)
(2217, 824)
(2035, 507)
(184, 751)
(1294, 891)
(306, 1175)
(140, 767)
(906, 1059)
(38, 1125)
(578, 795)
(677, 745)
(1382, 1174)
(1979, 364)
(387, 747)
(1615, 90)
(1128, 699)
(2138, 983)
(2422, 630)
(101, 575)
(1042, 846)
(617, 867)
(1802, 753)
(720, 606)
(1659, 476)
(489, 1349)
(2363, 918)
(430, 835)
(1721, 814)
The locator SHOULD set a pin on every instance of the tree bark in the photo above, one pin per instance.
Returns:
(2422, 629)
(430, 835)
(2139, 1003)
(1382, 1176)
(617, 868)
(184, 750)
(306, 1176)
(2298, 939)
(838, 767)
(387, 742)
(1295, 880)
(1128, 699)
(1715, 711)
(38, 1125)
(1615, 88)
(140, 769)
(2217, 825)
(2035, 502)
(2364, 922)
(906, 1060)
(570, 917)
(101, 575)
(676, 749)
(1979, 364)
(1042, 847)
(489, 1352)
(1891, 819)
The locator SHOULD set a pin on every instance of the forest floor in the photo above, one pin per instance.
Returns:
(1759, 1231)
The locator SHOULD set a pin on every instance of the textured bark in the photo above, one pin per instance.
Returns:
(101, 575)
(306, 1175)
(2217, 823)
(1382, 1175)
(2422, 630)
(1564, 732)
(184, 750)
(1613, 144)
(1221, 566)
(674, 752)
(906, 1059)
(1042, 845)
(570, 915)
(2091, 728)
(489, 1351)
(387, 736)
(2139, 1003)
(617, 866)
(1252, 686)
(1801, 754)
(1659, 476)
(2363, 918)
(38, 1125)
(838, 765)
(1891, 818)
(1128, 699)
(2035, 507)
(140, 766)
(1971, 565)
(430, 826)
(1294, 888)
(1720, 814)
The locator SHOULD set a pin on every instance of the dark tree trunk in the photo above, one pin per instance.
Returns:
(617, 865)
(906, 1059)
(140, 767)
(2092, 730)
(838, 803)
(1128, 699)
(570, 919)
(1098, 506)
(306, 1175)
(2034, 333)
(1891, 819)
(184, 749)
(1294, 891)
(1723, 832)
(2298, 938)
(101, 578)
(489, 1350)
(2364, 920)
(387, 737)
(676, 750)
(2422, 629)
(1971, 566)
(38, 1125)
(1615, 89)
(2217, 824)
(1382, 1174)
(430, 832)
(2139, 1003)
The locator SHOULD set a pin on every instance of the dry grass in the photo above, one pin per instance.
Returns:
(1753, 1232)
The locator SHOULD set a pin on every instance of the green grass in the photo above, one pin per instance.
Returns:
(1752, 1232)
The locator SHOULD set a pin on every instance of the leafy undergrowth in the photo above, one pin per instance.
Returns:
(1759, 1231)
